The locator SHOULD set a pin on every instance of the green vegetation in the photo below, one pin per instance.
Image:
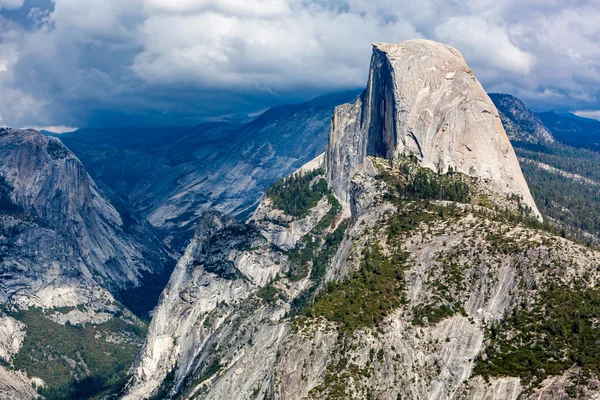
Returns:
(558, 331)
(56, 150)
(337, 376)
(426, 184)
(318, 253)
(434, 312)
(268, 293)
(369, 295)
(575, 204)
(414, 182)
(575, 160)
(76, 362)
(297, 194)
(314, 249)
(377, 288)
(329, 218)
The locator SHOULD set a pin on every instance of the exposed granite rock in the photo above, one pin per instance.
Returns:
(423, 99)
(12, 333)
(68, 252)
(281, 229)
(227, 343)
(62, 242)
(15, 386)
(520, 123)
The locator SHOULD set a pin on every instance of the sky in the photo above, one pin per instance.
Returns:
(76, 63)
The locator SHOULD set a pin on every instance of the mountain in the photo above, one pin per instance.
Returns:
(170, 176)
(66, 255)
(392, 266)
(520, 123)
(455, 127)
(573, 130)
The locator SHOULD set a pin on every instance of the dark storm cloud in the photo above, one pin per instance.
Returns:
(112, 62)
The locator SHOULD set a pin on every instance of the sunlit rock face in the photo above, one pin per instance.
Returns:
(422, 98)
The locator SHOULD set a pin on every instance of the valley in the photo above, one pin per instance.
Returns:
(382, 244)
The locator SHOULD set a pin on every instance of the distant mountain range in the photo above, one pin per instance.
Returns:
(519, 122)
(172, 175)
(573, 130)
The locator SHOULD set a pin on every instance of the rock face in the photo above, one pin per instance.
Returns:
(520, 123)
(66, 254)
(12, 333)
(423, 99)
(228, 327)
(62, 242)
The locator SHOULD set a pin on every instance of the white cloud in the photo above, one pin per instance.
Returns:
(595, 114)
(259, 8)
(179, 56)
(55, 128)
(11, 4)
(484, 42)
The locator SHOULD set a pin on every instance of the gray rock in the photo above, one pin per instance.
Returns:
(423, 99)
(520, 123)
(62, 242)
(222, 328)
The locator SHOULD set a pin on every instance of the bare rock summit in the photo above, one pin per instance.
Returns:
(423, 99)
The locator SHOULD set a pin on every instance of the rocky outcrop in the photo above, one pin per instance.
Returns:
(62, 241)
(12, 333)
(423, 99)
(66, 254)
(224, 264)
(215, 335)
(520, 123)
(15, 386)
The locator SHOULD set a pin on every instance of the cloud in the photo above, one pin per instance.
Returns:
(259, 8)
(11, 4)
(484, 42)
(55, 129)
(594, 114)
(77, 63)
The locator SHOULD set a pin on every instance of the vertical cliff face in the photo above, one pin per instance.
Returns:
(66, 253)
(423, 99)
(55, 221)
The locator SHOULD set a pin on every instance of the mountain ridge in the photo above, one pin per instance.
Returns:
(407, 290)
(520, 123)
